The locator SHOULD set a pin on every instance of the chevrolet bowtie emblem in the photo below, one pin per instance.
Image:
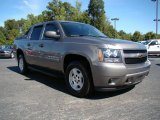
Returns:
(140, 55)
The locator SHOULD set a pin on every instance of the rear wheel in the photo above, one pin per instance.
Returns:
(22, 65)
(78, 79)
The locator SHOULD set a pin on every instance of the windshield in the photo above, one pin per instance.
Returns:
(72, 29)
(145, 43)
(4, 47)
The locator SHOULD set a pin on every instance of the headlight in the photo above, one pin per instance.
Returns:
(109, 55)
(6, 51)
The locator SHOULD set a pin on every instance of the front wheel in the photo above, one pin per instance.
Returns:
(78, 79)
(22, 65)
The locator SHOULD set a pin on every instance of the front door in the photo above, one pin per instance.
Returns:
(154, 47)
(49, 49)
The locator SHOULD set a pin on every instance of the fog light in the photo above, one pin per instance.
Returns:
(129, 81)
(112, 81)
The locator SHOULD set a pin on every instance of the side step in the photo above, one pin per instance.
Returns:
(55, 74)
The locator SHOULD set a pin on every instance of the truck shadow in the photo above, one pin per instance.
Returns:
(5, 58)
(59, 84)
(158, 64)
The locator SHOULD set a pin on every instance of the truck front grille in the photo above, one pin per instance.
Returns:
(135, 56)
(135, 60)
(135, 51)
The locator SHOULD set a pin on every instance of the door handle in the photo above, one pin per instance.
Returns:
(41, 45)
(28, 44)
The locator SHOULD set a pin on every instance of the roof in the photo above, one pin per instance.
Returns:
(56, 21)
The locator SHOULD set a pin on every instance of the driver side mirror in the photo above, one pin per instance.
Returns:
(52, 34)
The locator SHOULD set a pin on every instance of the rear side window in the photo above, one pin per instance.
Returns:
(36, 32)
(50, 27)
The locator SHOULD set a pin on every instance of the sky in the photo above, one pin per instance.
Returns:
(134, 15)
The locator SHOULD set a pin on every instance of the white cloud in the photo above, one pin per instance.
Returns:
(31, 6)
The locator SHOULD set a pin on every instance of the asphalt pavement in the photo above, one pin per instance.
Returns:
(37, 96)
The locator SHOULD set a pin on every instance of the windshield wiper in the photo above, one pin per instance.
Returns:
(103, 36)
(87, 35)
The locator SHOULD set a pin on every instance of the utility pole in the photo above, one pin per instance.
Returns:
(115, 20)
(156, 20)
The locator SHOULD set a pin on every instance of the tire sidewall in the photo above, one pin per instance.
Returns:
(24, 64)
(86, 85)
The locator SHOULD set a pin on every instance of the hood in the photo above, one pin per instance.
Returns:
(107, 42)
(124, 44)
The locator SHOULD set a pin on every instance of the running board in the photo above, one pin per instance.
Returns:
(48, 72)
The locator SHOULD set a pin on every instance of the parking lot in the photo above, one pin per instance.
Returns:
(37, 96)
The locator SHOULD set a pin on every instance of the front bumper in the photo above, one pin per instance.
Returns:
(5, 55)
(113, 76)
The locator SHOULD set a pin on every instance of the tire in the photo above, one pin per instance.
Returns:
(78, 79)
(12, 55)
(22, 65)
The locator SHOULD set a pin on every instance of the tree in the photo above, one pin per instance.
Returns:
(2, 38)
(110, 31)
(78, 6)
(77, 14)
(56, 10)
(97, 14)
(4, 31)
(21, 24)
(137, 36)
(72, 13)
(128, 36)
(84, 17)
(59, 10)
(124, 35)
(46, 15)
(31, 20)
(11, 24)
(149, 35)
(12, 30)
(68, 10)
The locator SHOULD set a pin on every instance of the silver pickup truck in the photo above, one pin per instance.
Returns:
(87, 58)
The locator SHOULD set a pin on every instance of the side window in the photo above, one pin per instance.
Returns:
(50, 27)
(36, 32)
(154, 43)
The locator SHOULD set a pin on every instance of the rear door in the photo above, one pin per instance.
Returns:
(32, 52)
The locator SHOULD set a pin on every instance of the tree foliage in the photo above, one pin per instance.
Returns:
(137, 36)
(58, 10)
(2, 38)
(150, 35)
(97, 14)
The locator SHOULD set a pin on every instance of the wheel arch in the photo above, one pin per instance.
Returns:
(19, 52)
(75, 57)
